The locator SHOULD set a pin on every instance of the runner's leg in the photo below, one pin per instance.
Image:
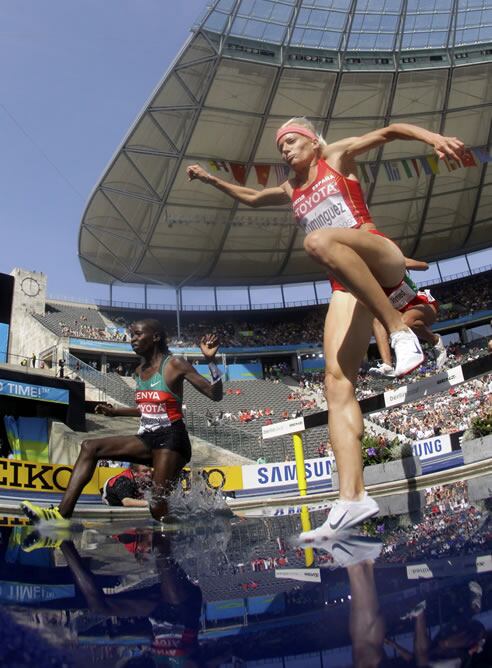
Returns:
(124, 448)
(362, 262)
(382, 342)
(367, 626)
(420, 318)
(348, 328)
(167, 464)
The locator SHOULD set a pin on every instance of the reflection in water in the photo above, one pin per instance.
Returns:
(220, 592)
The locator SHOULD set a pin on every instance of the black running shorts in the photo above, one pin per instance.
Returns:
(174, 438)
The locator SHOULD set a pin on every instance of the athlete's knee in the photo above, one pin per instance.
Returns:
(338, 388)
(158, 510)
(317, 242)
(90, 448)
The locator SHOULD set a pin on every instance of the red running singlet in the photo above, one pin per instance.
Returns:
(332, 200)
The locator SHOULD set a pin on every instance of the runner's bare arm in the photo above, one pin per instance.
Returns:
(187, 371)
(182, 369)
(415, 265)
(134, 503)
(111, 411)
(248, 196)
(450, 147)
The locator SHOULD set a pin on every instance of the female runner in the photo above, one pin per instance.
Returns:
(364, 267)
(419, 311)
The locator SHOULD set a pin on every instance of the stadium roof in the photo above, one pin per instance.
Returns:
(249, 65)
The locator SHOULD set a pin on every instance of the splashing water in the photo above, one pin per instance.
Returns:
(192, 503)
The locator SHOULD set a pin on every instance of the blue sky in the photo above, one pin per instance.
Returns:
(75, 74)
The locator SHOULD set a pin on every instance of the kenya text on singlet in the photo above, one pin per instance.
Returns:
(158, 406)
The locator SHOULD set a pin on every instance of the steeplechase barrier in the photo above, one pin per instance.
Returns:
(404, 394)
(254, 484)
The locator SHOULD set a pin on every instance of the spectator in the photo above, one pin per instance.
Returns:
(126, 488)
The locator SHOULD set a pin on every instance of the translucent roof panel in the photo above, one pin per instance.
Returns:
(351, 66)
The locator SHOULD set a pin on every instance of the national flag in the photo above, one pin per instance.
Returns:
(467, 159)
(281, 172)
(451, 164)
(407, 169)
(425, 165)
(262, 173)
(392, 170)
(481, 153)
(222, 165)
(415, 164)
(433, 162)
(239, 172)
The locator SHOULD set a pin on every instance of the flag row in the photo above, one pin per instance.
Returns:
(395, 170)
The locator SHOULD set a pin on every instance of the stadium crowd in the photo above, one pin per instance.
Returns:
(451, 526)
(82, 330)
(442, 413)
(456, 299)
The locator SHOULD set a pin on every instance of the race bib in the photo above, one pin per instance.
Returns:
(324, 207)
(403, 294)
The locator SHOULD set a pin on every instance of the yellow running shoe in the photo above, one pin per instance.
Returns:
(36, 541)
(37, 513)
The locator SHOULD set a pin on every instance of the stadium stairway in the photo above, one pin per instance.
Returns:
(245, 437)
(71, 316)
(66, 448)
(111, 384)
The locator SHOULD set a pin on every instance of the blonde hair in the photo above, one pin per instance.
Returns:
(306, 123)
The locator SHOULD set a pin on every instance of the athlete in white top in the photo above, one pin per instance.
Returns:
(328, 204)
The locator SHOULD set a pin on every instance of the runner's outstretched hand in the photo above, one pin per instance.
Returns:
(197, 172)
(209, 345)
(105, 409)
(449, 147)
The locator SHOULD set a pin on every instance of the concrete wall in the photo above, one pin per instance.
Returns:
(27, 335)
(478, 449)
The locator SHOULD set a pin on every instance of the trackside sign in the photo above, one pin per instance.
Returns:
(282, 428)
(432, 447)
(301, 574)
(266, 476)
(438, 383)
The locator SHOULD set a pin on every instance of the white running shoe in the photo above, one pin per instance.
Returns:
(383, 369)
(348, 550)
(343, 516)
(408, 351)
(351, 550)
(440, 353)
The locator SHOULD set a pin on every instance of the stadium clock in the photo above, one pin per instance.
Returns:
(30, 287)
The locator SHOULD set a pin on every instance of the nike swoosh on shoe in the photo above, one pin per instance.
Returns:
(335, 526)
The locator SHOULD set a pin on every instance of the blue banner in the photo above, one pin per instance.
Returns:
(234, 371)
(313, 364)
(12, 388)
(114, 346)
(4, 339)
(27, 592)
(269, 603)
(244, 371)
(228, 609)
(117, 347)
(203, 370)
